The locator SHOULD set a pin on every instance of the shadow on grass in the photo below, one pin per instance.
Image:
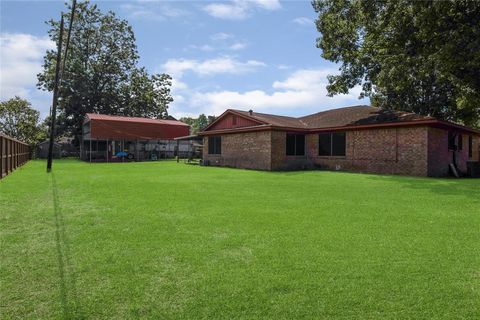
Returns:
(67, 277)
(469, 188)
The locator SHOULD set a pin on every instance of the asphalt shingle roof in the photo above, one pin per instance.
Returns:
(349, 116)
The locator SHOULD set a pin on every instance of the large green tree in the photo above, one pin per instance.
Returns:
(146, 95)
(20, 121)
(198, 124)
(420, 56)
(101, 73)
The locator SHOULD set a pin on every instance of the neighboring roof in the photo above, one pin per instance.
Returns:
(134, 128)
(48, 141)
(342, 118)
(96, 116)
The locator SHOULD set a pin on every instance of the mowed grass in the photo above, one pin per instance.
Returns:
(171, 241)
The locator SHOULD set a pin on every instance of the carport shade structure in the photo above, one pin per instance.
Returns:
(107, 128)
(134, 128)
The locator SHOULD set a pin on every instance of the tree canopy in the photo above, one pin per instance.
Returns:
(20, 121)
(198, 124)
(419, 56)
(101, 73)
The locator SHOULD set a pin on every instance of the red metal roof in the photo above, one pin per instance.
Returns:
(134, 128)
(96, 116)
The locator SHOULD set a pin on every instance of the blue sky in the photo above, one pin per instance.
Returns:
(257, 54)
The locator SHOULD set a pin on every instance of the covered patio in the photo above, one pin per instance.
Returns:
(121, 139)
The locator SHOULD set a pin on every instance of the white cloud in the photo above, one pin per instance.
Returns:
(225, 65)
(152, 10)
(205, 47)
(304, 79)
(238, 46)
(21, 58)
(283, 67)
(221, 36)
(302, 92)
(240, 9)
(303, 21)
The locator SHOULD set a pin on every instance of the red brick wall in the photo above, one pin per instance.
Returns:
(439, 157)
(387, 151)
(280, 161)
(249, 150)
(416, 151)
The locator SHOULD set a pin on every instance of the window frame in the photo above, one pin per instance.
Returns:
(215, 145)
(296, 145)
(332, 141)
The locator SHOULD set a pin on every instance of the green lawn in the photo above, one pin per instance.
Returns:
(172, 241)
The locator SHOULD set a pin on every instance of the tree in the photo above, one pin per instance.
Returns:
(419, 56)
(101, 73)
(198, 124)
(20, 121)
(146, 96)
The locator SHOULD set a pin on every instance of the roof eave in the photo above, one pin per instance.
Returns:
(429, 122)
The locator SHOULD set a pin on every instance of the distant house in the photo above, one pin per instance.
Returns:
(42, 150)
(358, 139)
(116, 138)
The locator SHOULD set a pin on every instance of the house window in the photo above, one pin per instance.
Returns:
(460, 141)
(470, 146)
(332, 144)
(215, 145)
(451, 140)
(295, 145)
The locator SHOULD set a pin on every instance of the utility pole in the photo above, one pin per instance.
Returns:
(55, 97)
(58, 79)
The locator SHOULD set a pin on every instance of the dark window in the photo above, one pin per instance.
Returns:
(295, 145)
(460, 142)
(290, 144)
(215, 145)
(451, 141)
(325, 144)
(470, 146)
(332, 144)
(338, 144)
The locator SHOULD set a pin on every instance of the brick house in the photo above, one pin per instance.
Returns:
(357, 139)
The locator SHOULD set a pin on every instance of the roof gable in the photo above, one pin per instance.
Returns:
(232, 119)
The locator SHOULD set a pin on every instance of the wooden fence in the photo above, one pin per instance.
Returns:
(13, 154)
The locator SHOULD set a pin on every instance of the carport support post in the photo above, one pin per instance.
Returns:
(107, 150)
(178, 151)
(136, 150)
(90, 152)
